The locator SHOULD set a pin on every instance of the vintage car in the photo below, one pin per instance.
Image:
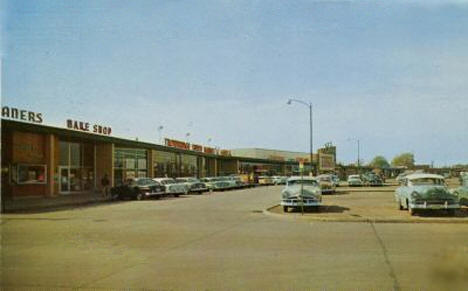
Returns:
(301, 191)
(462, 191)
(335, 180)
(372, 179)
(138, 188)
(279, 180)
(265, 180)
(240, 181)
(172, 187)
(354, 180)
(326, 184)
(425, 191)
(216, 183)
(193, 184)
(233, 183)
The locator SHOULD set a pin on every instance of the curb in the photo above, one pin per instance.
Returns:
(360, 220)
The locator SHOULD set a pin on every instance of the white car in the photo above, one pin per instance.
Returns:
(354, 180)
(193, 184)
(301, 191)
(326, 184)
(172, 187)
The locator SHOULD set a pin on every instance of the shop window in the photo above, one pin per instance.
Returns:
(30, 174)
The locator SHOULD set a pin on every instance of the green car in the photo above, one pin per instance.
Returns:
(462, 191)
(425, 191)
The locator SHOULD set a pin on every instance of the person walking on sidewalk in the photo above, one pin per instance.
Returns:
(105, 186)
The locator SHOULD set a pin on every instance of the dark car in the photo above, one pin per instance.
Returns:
(139, 189)
(371, 179)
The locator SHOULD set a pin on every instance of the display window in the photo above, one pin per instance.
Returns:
(29, 174)
(129, 164)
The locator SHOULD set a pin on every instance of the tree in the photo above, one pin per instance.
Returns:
(379, 162)
(404, 159)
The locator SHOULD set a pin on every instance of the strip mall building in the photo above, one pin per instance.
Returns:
(47, 161)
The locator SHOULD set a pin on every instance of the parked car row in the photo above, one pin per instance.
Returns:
(368, 179)
(142, 188)
(418, 191)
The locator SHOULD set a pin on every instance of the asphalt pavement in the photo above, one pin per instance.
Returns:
(224, 240)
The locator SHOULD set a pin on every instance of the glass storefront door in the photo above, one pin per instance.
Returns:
(76, 167)
(64, 180)
(70, 180)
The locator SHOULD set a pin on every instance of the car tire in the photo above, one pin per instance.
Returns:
(285, 208)
(451, 212)
(140, 196)
(176, 195)
(411, 210)
(399, 206)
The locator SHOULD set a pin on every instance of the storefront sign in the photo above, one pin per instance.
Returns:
(276, 158)
(326, 162)
(21, 114)
(177, 144)
(197, 148)
(86, 126)
(209, 150)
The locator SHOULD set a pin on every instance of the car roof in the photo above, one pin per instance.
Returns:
(294, 178)
(424, 175)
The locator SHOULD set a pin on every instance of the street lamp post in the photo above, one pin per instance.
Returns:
(308, 104)
(160, 128)
(358, 153)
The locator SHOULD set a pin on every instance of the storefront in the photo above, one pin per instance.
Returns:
(165, 164)
(46, 161)
(129, 163)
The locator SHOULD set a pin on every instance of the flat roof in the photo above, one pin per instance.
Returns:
(121, 142)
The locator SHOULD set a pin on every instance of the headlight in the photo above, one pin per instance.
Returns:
(414, 195)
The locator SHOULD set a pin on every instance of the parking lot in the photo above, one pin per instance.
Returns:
(375, 204)
(227, 240)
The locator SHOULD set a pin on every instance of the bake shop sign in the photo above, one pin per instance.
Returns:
(86, 126)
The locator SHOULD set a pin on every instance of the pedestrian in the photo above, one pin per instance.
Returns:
(105, 186)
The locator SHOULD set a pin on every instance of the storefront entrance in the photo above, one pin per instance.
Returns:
(76, 170)
(70, 180)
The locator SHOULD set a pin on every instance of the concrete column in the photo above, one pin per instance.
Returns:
(215, 167)
(50, 161)
(150, 163)
(104, 163)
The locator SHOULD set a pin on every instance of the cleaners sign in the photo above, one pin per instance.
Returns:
(86, 126)
(21, 114)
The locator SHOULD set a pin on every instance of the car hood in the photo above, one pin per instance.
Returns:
(307, 191)
(432, 192)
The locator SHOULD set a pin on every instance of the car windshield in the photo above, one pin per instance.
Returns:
(181, 180)
(427, 181)
(144, 182)
(324, 178)
(168, 181)
(353, 177)
(303, 182)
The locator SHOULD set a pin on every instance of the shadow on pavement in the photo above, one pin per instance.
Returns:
(460, 213)
(322, 209)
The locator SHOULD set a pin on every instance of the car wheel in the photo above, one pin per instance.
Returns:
(451, 212)
(200, 192)
(411, 210)
(285, 208)
(176, 195)
(140, 196)
(399, 206)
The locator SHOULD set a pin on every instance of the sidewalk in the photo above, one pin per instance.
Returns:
(50, 203)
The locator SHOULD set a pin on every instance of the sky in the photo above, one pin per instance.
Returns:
(393, 74)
